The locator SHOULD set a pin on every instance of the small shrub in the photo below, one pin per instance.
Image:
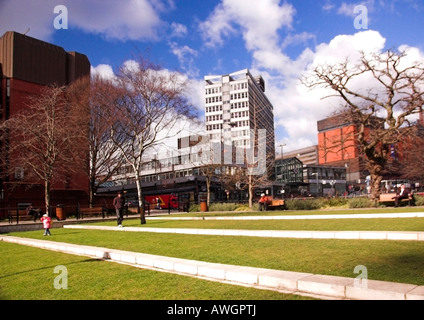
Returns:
(194, 208)
(334, 202)
(303, 204)
(223, 206)
(243, 207)
(361, 203)
(419, 200)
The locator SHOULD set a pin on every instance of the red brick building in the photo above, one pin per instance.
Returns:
(337, 147)
(26, 66)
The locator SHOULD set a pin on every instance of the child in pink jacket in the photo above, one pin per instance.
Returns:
(47, 223)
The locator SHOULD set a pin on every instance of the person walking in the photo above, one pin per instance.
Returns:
(119, 204)
(47, 223)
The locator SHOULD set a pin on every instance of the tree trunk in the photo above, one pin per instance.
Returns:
(91, 194)
(375, 168)
(375, 186)
(208, 191)
(140, 202)
(47, 196)
(250, 192)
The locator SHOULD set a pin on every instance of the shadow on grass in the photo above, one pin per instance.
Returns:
(46, 268)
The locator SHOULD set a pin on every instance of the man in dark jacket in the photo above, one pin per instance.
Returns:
(119, 204)
(404, 193)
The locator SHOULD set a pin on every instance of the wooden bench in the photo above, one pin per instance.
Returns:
(275, 203)
(19, 215)
(389, 197)
(94, 211)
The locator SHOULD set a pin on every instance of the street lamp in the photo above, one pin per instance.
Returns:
(281, 146)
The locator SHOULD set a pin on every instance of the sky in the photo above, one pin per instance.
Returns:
(277, 39)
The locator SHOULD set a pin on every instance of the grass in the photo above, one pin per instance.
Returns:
(27, 274)
(398, 261)
(327, 211)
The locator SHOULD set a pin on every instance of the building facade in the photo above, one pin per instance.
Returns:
(239, 122)
(338, 147)
(237, 110)
(26, 66)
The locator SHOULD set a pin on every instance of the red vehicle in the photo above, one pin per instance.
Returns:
(163, 201)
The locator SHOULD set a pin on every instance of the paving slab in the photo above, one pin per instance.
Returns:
(378, 290)
(331, 286)
(416, 294)
(299, 234)
(286, 280)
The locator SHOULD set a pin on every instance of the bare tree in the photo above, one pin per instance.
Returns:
(149, 111)
(396, 94)
(412, 155)
(93, 99)
(44, 139)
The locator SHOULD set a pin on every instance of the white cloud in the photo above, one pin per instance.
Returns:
(296, 108)
(19, 15)
(185, 56)
(178, 30)
(103, 71)
(122, 20)
(257, 21)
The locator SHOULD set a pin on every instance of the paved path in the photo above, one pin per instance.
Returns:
(354, 235)
(305, 216)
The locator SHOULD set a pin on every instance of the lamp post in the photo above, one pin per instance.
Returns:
(281, 147)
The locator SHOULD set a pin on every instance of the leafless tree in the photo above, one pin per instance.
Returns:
(396, 94)
(152, 104)
(44, 139)
(94, 100)
(412, 154)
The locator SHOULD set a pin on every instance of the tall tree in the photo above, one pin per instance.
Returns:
(44, 139)
(149, 111)
(395, 94)
(93, 100)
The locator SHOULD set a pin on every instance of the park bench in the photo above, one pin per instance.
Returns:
(276, 204)
(389, 198)
(93, 211)
(19, 215)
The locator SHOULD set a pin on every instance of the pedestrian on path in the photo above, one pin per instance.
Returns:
(119, 204)
(47, 223)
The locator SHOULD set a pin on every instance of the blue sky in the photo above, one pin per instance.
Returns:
(277, 39)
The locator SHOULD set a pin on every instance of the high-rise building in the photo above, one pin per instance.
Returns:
(235, 105)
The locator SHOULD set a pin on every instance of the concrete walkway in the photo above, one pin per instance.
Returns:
(301, 234)
(322, 286)
(304, 216)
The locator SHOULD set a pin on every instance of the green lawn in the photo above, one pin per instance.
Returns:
(333, 210)
(28, 274)
(399, 261)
